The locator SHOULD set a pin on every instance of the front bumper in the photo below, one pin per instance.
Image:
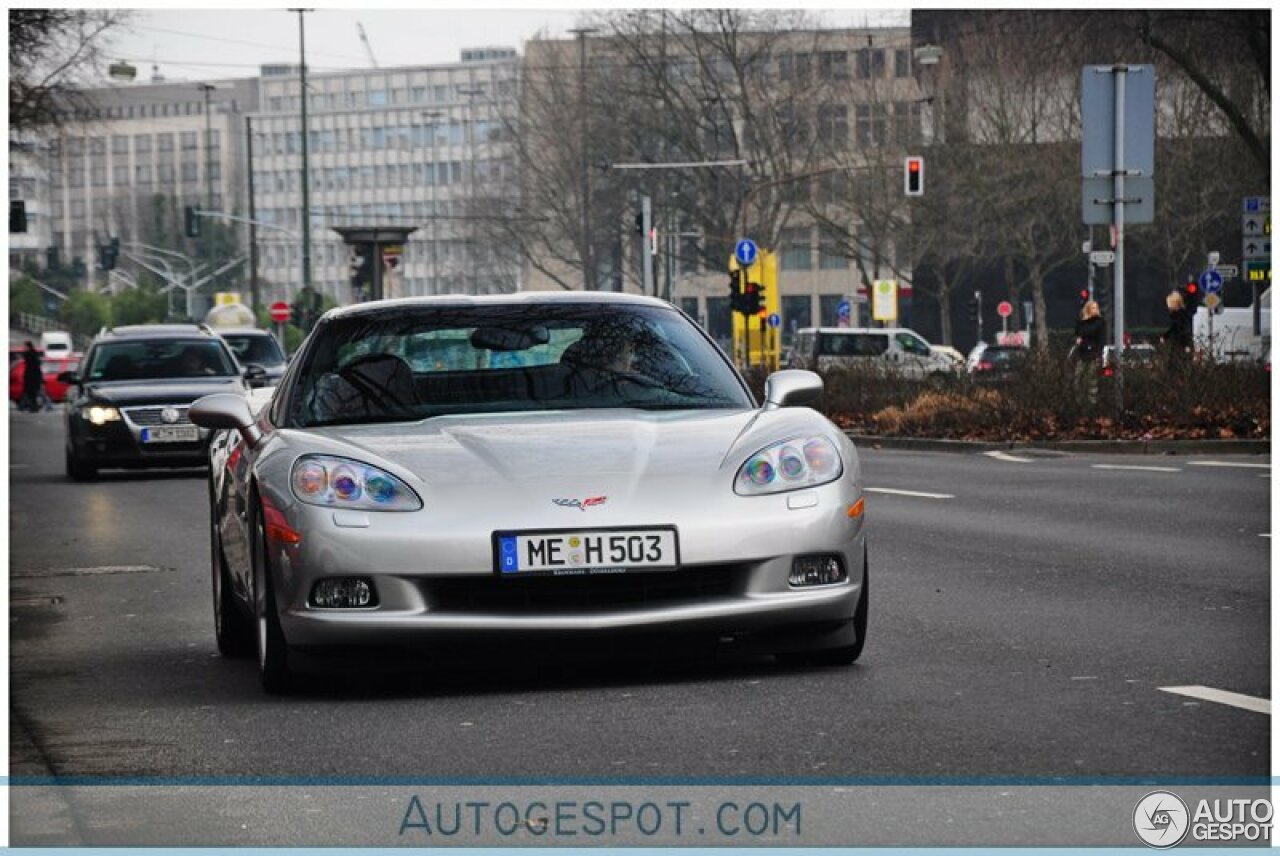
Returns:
(733, 580)
(119, 444)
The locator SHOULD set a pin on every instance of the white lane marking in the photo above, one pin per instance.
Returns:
(916, 493)
(19, 466)
(1132, 467)
(1239, 464)
(1264, 534)
(1005, 456)
(1257, 705)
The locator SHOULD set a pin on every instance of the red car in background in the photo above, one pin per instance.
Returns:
(52, 367)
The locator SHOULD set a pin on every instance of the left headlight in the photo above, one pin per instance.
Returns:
(99, 415)
(790, 465)
(344, 483)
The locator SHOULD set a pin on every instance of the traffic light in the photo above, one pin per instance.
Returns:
(750, 299)
(1083, 294)
(362, 267)
(297, 315)
(108, 254)
(913, 176)
(192, 213)
(972, 309)
(1191, 295)
(761, 299)
(17, 215)
(735, 290)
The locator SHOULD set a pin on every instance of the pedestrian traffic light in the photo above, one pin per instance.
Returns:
(1084, 296)
(192, 213)
(17, 215)
(1191, 295)
(913, 176)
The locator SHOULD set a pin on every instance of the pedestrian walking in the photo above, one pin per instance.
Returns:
(1090, 330)
(1177, 339)
(32, 379)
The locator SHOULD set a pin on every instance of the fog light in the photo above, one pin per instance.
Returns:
(817, 571)
(342, 593)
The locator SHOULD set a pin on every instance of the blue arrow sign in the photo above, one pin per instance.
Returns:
(844, 308)
(1211, 281)
(775, 320)
(746, 251)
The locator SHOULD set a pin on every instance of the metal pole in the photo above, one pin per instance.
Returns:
(254, 297)
(306, 190)
(208, 145)
(646, 255)
(977, 295)
(1121, 73)
(588, 273)
(432, 116)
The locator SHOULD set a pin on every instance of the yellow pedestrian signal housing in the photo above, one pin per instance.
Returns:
(913, 176)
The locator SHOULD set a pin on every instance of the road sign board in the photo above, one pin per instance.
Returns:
(1004, 309)
(1102, 257)
(1256, 248)
(1255, 224)
(280, 311)
(1211, 281)
(843, 308)
(1228, 271)
(775, 320)
(745, 251)
(1257, 270)
(1098, 210)
(1256, 204)
(1212, 300)
(884, 300)
(1098, 111)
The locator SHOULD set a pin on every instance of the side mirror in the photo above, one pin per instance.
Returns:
(69, 378)
(253, 371)
(224, 410)
(791, 388)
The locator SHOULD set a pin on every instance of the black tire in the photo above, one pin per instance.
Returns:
(846, 654)
(273, 650)
(78, 470)
(232, 628)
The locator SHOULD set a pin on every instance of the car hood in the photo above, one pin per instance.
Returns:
(130, 393)
(571, 454)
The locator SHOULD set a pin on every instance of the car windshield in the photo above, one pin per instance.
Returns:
(257, 348)
(408, 364)
(159, 359)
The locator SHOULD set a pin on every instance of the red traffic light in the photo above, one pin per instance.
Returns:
(1084, 294)
(1192, 288)
(913, 164)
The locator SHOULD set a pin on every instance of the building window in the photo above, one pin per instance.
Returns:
(870, 63)
(164, 142)
(97, 145)
(99, 176)
(833, 124)
(792, 125)
(796, 250)
(77, 208)
(797, 313)
(832, 245)
(142, 144)
(189, 140)
(833, 188)
(829, 309)
(164, 173)
(689, 306)
(142, 174)
(190, 173)
(901, 63)
(871, 124)
(833, 65)
(119, 145)
(215, 171)
(906, 123)
(75, 177)
(75, 147)
(215, 139)
(120, 175)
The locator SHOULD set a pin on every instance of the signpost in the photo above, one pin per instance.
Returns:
(1211, 282)
(280, 314)
(844, 310)
(884, 300)
(1004, 309)
(1102, 258)
(1255, 246)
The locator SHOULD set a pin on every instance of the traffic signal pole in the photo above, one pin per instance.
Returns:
(1121, 73)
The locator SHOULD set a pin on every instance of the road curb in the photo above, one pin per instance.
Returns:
(1125, 447)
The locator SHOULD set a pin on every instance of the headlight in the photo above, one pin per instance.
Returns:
(789, 465)
(344, 483)
(99, 415)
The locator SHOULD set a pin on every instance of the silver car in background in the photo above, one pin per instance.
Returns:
(442, 471)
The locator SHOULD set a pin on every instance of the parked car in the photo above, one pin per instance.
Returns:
(895, 349)
(129, 399)
(50, 367)
(955, 357)
(619, 479)
(254, 347)
(995, 363)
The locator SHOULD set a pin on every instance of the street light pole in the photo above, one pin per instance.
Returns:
(207, 89)
(588, 272)
(431, 116)
(469, 188)
(254, 297)
(306, 190)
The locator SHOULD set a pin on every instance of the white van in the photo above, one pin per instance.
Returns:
(55, 344)
(896, 349)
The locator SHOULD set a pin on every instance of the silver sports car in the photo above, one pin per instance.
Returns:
(438, 472)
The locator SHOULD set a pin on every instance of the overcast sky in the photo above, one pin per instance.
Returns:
(193, 44)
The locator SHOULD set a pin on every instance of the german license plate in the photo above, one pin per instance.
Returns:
(171, 434)
(586, 552)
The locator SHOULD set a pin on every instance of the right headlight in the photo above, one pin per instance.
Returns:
(345, 483)
(789, 465)
(99, 415)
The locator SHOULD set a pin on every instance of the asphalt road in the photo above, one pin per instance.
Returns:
(1025, 617)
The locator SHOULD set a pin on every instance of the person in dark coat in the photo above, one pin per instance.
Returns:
(1090, 330)
(32, 378)
(1178, 337)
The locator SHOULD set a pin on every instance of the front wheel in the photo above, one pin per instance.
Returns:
(231, 627)
(273, 650)
(78, 470)
(845, 654)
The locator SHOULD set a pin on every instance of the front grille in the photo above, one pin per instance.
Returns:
(546, 595)
(149, 417)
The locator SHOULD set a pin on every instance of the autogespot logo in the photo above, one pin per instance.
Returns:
(1160, 819)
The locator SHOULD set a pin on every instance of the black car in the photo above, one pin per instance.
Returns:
(254, 347)
(996, 363)
(127, 405)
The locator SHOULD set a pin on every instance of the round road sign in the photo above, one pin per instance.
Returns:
(280, 311)
(775, 320)
(1004, 309)
(745, 251)
(1211, 281)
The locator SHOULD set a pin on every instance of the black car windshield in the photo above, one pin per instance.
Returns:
(256, 348)
(159, 359)
(413, 363)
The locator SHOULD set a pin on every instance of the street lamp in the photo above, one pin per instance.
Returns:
(208, 89)
(588, 273)
(306, 184)
(470, 188)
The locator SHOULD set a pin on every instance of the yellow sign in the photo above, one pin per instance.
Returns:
(757, 341)
(884, 300)
(1211, 300)
(226, 298)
